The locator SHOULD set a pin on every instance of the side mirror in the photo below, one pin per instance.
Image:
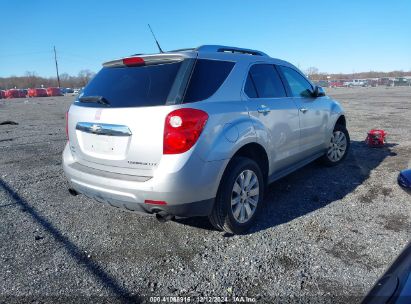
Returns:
(319, 91)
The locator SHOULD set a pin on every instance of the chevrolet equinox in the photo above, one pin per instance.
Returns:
(198, 132)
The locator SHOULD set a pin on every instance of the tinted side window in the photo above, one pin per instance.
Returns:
(132, 86)
(267, 81)
(299, 86)
(249, 87)
(207, 77)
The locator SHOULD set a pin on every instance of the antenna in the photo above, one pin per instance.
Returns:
(154, 36)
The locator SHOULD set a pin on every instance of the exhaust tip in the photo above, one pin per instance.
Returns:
(73, 192)
(163, 217)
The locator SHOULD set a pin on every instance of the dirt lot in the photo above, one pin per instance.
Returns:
(325, 234)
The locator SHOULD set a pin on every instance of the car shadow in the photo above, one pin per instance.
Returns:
(116, 288)
(312, 187)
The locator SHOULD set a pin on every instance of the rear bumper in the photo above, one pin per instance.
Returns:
(200, 208)
(189, 191)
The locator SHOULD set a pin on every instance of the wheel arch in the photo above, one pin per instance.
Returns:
(221, 217)
(256, 152)
(341, 121)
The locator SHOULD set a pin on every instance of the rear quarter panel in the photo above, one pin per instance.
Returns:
(228, 128)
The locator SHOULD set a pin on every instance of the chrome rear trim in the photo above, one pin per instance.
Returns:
(103, 129)
(107, 174)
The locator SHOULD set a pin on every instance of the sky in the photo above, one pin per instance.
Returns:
(343, 36)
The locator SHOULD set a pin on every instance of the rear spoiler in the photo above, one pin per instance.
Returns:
(145, 60)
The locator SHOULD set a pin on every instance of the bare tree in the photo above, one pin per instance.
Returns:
(311, 72)
(85, 76)
(66, 80)
(31, 80)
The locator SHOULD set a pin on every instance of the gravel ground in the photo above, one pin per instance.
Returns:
(325, 234)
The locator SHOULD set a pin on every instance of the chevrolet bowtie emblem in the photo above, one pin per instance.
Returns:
(95, 128)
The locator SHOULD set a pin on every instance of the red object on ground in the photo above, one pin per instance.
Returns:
(376, 138)
(39, 92)
(54, 92)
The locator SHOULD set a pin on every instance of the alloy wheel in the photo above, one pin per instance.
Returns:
(244, 196)
(338, 146)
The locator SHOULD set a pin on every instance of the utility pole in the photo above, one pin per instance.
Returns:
(57, 67)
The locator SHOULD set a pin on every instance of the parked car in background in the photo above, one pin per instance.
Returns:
(394, 286)
(68, 91)
(13, 93)
(336, 83)
(75, 92)
(23, 93)
(372, 82)
(355, 83)
(38, 92)
(199, 132)
(53, 91)
(322, 83)
(401, 81)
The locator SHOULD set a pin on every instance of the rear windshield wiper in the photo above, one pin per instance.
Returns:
(98, 99)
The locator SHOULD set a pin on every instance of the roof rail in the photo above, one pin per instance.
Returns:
(229, 49)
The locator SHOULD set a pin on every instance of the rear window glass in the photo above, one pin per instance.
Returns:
(207, 77)
(132, 86)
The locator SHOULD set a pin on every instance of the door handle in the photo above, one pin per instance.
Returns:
(263, 109)
(303, 110)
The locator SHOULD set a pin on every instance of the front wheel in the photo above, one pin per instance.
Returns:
(239, 196)
(338, 147)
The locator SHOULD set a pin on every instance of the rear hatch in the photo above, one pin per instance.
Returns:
(117, 122)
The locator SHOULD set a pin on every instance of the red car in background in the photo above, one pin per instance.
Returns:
(54, 92)
(38, 92)
(13, 93)
(336, 84)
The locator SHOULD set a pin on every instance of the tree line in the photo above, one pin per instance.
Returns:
(32, 80)
(314, 74)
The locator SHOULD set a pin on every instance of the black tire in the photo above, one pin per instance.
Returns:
(326, 158)
(222, 217)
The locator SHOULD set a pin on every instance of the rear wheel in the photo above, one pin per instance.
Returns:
(239, 196)
(338, 147)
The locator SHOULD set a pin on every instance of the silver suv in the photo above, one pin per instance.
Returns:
(198, 132)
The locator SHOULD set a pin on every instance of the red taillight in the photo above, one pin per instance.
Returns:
(151, 202)
(133, 61)
(182, 128)
(67, 117)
